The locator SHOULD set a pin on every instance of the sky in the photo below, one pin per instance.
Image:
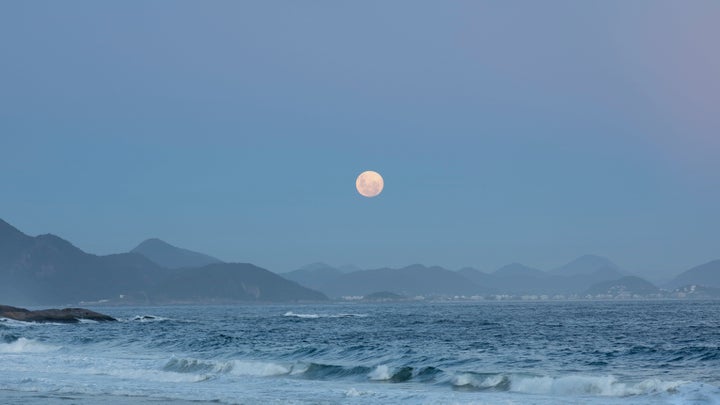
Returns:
(513, 131)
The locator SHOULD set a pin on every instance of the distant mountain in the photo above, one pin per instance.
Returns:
(49, 270)
(629, 285)
(513, 279)
(585, 265)
(171, 257)
(518, 279)
(519, 270)
(231, 282)
(707, 275)
(478, 277)
(314, 275)
(409, 281)
(348, 268)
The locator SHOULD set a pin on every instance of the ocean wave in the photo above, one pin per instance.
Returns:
(12, 323)
(313, 371)
(147, 318)
(24, 345)
(478, 381)
(234, 367)
(150, 374)
(316, 316)
(564, 385)
(391, 374)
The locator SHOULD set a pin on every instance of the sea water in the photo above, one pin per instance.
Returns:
(418, 353)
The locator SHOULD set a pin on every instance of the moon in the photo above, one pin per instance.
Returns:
(369, 184)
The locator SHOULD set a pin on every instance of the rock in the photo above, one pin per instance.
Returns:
(66, 315)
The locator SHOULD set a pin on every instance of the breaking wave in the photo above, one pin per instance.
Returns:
(24, 345)
(569, 385)
(236, 367)
(316, 316)
(148, 318)
(564, 385)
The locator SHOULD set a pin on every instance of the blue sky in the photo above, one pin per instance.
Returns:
(526, 132)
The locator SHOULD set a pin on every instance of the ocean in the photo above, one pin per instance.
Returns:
(493, 352)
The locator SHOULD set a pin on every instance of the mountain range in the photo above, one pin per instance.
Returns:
(573, 278)
(172, 257)
(47, 269)
(409, 281)
(585, 275)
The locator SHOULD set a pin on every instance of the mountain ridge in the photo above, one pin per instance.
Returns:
(172, 257)
(706, 275)
(48, 269)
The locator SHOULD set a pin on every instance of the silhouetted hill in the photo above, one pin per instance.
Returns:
(231, 282)
(586, 264)
(348, 268)
(172, 257)
(519, 270)
(482, 279)
(707, 275)
(514, 279)
(409, 281)
(314, 275)
(518, 279)
(49, 270)
(629, 285)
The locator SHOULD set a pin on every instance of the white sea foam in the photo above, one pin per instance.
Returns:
(24, 345)
(307, 316)
(568, 385)
(352, 392)
(315, 316)
(233, 367)
(380, 373)
(13, 323)
(147, 318)
(151, 375)
(259, 369)
(467, 379)
(589, 385)
(299, 368)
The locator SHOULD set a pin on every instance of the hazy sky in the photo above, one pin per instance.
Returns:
(506, 131)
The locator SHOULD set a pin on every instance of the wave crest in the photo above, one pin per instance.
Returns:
(24, 345)
(236, 367)
(564, 385)
(316, 316)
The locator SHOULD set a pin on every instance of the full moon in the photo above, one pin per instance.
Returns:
(369, 184)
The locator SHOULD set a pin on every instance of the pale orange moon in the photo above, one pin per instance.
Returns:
(369, 184)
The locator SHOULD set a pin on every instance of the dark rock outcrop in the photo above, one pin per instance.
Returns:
(66, 315)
